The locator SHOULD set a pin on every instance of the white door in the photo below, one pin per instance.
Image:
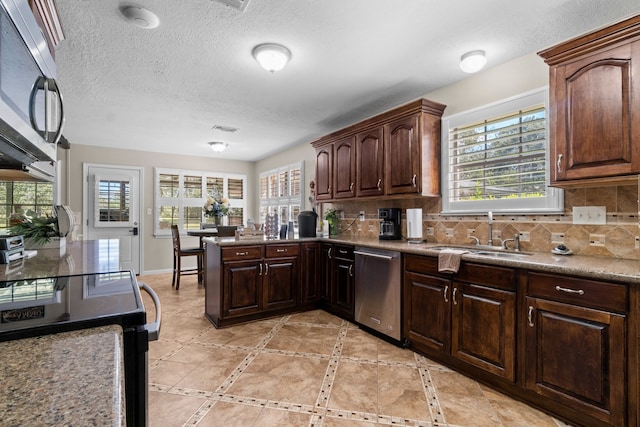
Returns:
(112, 201)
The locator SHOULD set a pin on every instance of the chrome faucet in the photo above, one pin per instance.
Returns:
(515, 240)
(476, 241)
(490, 220)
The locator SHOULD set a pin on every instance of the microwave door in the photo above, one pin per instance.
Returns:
(46, 111)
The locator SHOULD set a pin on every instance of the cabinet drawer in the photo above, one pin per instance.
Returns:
(583, 292)
(241, 252)
(343, 252)
(498, 277)
(422, 264)
(277, 251)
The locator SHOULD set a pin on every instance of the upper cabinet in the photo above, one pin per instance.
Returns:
(393, 154)
(595, 106)
(47, 18)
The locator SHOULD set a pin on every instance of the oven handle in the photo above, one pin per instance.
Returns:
(152, 328)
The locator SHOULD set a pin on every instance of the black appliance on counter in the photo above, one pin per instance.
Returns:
(42, 306)
(390, 228)
(307, 223)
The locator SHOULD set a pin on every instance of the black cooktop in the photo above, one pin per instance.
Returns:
(40, 306)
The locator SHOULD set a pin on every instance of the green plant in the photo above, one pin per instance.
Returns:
(39, 229)
(331, 216)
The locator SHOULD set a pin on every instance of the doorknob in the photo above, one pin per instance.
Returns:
(134, 231)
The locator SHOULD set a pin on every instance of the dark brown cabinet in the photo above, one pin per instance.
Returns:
(310, 262)
(396, 153)
(370, 162)
(336, 279)
(575, 345)
(594, 103)
(344, 155)
(245, 282)
(324, 173)
(469, 316)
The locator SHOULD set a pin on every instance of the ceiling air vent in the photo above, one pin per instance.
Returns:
(241, 5)
(225, 128)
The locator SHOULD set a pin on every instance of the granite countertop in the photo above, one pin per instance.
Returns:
(602, 268)
(80, 257)
(71, 378)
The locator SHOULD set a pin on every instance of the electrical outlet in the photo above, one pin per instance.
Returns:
(557, 237)
(590, 215)
(430, 231)
(361, 217)
(596, 240)
(525, 236)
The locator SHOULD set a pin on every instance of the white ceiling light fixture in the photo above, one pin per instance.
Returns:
(272, 57)
(472, 62)
(218, 146)
(140, 17)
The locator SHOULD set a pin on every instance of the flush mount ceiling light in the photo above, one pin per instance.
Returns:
(218, 146)
(273, 57)
(472, 62)
(140, 17)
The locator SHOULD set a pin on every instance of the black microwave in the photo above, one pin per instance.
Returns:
(31, 111)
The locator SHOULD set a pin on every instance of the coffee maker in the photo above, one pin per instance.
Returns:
(390, 228)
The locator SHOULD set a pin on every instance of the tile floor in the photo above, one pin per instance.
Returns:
(306, 369)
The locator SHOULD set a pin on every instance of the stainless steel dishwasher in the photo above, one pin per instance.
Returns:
(378, 290)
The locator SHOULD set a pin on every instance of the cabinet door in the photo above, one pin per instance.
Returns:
(280, 283)
(484, 328)
(427, 311)
(343, 288)
(324, 173)
(576, 356)
(595, 132)
(309, 272)
(370, 162)
(344, 155)
(402, 152)
(325, 272)
(242, 284)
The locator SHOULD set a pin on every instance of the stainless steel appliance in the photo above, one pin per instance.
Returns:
(31, 113)
(390, 228)
(42, 306)
(378, 290)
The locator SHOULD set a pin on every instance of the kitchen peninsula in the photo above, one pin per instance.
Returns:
(559, 332)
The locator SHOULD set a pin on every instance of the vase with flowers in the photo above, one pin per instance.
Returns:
(215, 207)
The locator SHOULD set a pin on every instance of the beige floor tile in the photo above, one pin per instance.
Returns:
(160, 349)
(231, 415)
(342, 422)
(169, 410)
(210, 374)
(170, 373)
(355, 387)
(400, 393)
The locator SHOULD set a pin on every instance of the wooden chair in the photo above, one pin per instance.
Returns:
(178, 253)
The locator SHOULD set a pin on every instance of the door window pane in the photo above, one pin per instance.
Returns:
(114, 200)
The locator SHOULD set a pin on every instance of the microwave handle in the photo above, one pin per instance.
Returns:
(44, 83)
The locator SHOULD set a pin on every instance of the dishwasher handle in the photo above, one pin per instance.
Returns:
(374, 255)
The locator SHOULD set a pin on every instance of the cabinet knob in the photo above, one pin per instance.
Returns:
(446, 291)
(242, 253)
(260, 269)
(281, 250)
(351, 187)
(413, 180)
(351, 270)
(453, 296)
(380, 184)
(530, 316)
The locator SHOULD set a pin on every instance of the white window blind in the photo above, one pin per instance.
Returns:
(496, 158)
(281, 192)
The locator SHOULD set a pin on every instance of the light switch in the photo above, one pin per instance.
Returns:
(590, 215)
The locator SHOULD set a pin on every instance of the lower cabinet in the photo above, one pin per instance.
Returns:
(469, 316)
(309, 271)
(575, 344)
(336, 279)
(246, 282)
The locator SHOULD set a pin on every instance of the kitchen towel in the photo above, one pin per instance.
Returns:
(449, 260)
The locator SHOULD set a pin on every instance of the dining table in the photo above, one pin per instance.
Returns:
(203, 232)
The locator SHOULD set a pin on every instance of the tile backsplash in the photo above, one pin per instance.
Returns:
(618, 238)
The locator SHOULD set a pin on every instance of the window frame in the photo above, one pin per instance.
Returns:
(553, 202)
(40, 209)
(181, 202)
(275, 204)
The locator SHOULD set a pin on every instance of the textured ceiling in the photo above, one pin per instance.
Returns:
(163, 89)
